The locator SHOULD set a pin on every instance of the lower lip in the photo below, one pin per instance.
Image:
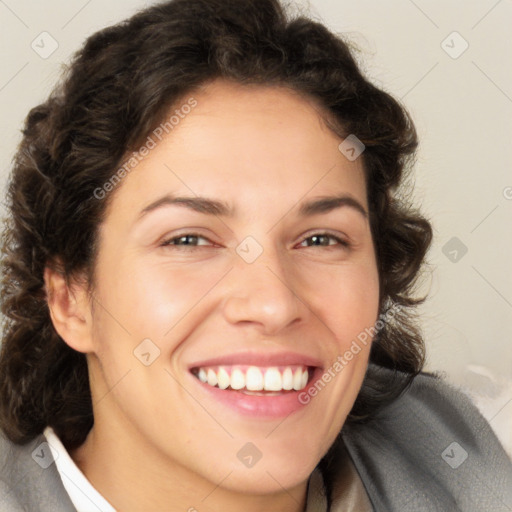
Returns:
(262, 406)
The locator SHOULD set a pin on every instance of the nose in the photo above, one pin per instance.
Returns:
(262, 294)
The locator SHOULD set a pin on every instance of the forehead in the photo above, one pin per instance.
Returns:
(242, 142)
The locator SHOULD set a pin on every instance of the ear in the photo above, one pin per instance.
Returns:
(70, 310)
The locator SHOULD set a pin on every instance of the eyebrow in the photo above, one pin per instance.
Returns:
(220, 208)
(198, 204)
(327, 204)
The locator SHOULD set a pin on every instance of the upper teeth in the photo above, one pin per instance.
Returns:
(253, 378)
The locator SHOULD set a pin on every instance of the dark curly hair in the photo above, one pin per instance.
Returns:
(118, 88)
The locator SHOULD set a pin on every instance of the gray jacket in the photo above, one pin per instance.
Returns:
(430, 450)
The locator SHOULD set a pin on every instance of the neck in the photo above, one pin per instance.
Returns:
(133, 476)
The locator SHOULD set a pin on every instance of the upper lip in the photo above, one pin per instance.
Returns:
(263, 359)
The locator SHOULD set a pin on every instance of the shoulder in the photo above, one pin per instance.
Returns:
(431, 449)
(29, 479)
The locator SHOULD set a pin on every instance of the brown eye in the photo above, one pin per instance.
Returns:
(187, 240)
(323, 240)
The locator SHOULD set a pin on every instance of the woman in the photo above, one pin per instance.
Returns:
(208, 284)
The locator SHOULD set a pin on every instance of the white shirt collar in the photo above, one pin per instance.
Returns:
(84, 496)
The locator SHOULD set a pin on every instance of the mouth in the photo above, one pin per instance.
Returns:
(255, 380)
(261, 386)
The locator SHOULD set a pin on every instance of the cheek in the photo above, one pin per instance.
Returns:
(150, 299)
(347, 300)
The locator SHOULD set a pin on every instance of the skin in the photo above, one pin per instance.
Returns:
(157, 443)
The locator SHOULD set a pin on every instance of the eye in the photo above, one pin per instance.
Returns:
(323, 240)
(187, 240)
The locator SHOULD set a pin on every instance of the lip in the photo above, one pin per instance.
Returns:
(259, 359)
(258, 406)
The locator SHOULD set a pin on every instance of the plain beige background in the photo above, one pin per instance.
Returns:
(449, 62)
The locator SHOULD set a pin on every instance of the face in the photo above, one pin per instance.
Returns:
(235, 268)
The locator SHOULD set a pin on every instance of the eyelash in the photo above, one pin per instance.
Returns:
(171, 241)
(339, 241)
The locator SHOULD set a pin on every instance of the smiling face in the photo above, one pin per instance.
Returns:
(240, 250)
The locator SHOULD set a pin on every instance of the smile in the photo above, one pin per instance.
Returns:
(254, 379)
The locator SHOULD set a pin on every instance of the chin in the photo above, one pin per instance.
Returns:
(268, 480)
